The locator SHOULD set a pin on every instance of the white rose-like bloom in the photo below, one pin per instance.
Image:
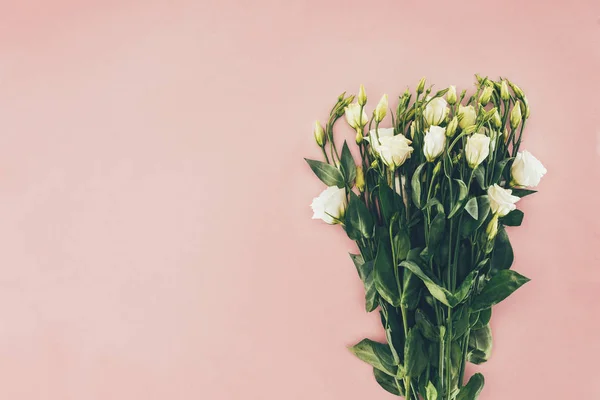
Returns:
(376, 134)
(501, 200)
(436, 111)
(354, 117)
(527, 170)
(434, 142)
(330, 206)
(393, 150)
(477, 149)
(469, 116)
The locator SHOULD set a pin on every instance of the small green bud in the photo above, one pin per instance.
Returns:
(469, 129)
(381, 109)
(320, 137)
(451, 95)
(360, 179)
(421, 85)
(362, 96)
(437, 168)
(525, 107)
(496, 120)
(518, 92)
(486, 95)
(359, 137)
(492, 228)
(504, 90)
(452, 127)
(515, 116)
(374, 164)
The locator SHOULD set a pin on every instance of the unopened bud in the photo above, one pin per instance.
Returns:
(518, 92)
(374, 164)
(359, 137)
(437, 168)
(452, 126)
(486, 95)
(362, 96)
(320, 137)
(492, 228)
(515, 115)
(496, 120)
(360, 179)
(525, 106)
(381, 109)
(451, 95)
(504, 91)
(421, 85)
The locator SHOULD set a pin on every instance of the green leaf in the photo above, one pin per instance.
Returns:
(359, 221)
(415, 354)
(498, 169)
(458, 202)
(411, 290)
(464, 288)
(401, 243)
(484, 318)
(436, 232)
(469, 225)
(480, 345)
(328, 174)
(426, 327)
(440, 293)
(388, 200)
(461, 322)
(479, 173)
(431, 392)
(389, 383)
(502, 257)
(376, 354)
(384, 275)
(471, 207)
(472, 389)
(365, 272)
(513, 218)
(522, 192)
(502, 285)
(348, 166)
(416, 185)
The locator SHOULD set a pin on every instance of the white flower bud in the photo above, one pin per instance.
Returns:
(452, 126)
(362, 96)
(330, 206)
(381, 109)
(526, 170)
(434, 142)
(501, 200)
(355, 118)
(467, 116)
(421, 85)
(492, 228)
(486, 95)
(477, 149)
(451, 95)
(504, 91)
(319, 134)
(436, 111)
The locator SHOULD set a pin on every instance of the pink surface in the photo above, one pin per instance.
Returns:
(156, 240)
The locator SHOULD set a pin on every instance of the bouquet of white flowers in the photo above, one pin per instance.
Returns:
(427, 205)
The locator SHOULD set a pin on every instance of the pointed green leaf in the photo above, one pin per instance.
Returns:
(426, 327)
(472, 389)
(503, 256)
(431, 392)
(440, 293)
(389, 383)
(522, 192)
(513, 218)
(365, 271)
(502, 285)
(415, 354)
(480, 345)
(436, 232)
(348, 166)
(479, 173)
(411, 291)
(376, 354)
(359, 221)
(388, 199)
(469, 225)
(416, 185)
(328, 174)
(384, 275)
(471, 207)
(459, 199)
(498, 169)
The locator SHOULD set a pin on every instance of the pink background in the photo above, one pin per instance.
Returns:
(155, 234)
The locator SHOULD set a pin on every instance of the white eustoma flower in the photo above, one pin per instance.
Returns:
(394, 151)
(477, 149)
(330, 206)
(451, 95)
(355, 118)
(378, 133)
(436, 111)
(434, 142)
(501, 200)
(467, 116)
(526, 170)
